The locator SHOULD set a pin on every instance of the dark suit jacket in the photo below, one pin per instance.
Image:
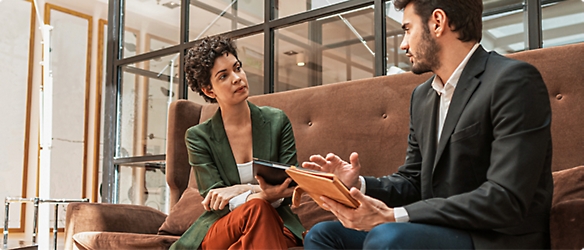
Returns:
(490, 173)
(214, 165)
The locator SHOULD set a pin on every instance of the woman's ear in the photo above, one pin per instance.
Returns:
(208, 92)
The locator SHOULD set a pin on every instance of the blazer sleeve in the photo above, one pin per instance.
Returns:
(520, 148)
(206, 171)
(287, 145)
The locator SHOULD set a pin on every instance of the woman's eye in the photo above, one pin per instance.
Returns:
(238, 68)
(221, 77)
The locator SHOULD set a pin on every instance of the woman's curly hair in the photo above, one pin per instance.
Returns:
(200, 60)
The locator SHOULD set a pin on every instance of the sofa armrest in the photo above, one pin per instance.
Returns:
(567, 225)
(104, 217)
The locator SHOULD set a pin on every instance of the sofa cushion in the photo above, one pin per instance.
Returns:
(565, 221)
(568, 184)
(183, 214)
(111, 240)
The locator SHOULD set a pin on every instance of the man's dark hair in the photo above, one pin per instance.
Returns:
(200, 60)
(465, 16)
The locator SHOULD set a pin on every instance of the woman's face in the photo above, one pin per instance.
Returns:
(228, 80)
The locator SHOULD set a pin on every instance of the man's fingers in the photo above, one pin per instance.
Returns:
(311, 165)
(367, 201)
(354, 159)
(359, 196)
(318, 159)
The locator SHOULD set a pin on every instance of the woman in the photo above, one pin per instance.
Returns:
(242, 213)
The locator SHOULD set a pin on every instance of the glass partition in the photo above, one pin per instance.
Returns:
(285, 8)
(161, 19)
(146, 91)
(211, 17)
(143, 184)
(397, 61)
(563, 23)
(332, 49)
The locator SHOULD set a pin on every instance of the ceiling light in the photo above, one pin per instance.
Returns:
(171, 5)
(300, 59)
(290, 53)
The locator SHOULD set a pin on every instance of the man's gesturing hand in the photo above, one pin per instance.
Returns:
(347, 173)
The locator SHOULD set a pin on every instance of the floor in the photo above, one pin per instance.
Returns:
(19, 241)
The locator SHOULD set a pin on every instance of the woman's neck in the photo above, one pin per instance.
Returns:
(235, 114)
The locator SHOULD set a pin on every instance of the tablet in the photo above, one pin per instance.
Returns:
(274, 173)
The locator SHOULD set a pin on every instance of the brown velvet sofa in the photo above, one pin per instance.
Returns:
(369, 116)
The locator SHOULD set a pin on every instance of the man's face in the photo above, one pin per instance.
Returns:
(420, 46)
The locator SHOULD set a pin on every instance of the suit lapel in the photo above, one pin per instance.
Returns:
(430, 110)
(222, 149)
(466, 86)
(261, 135)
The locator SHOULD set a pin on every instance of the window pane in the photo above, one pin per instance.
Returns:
(563, 23)
(146, 91)
(328, 50)
(250, 51)
(290, 7)
(143, 184)
(503, 31)
(160, 19)
(210, 17)
(397, 61)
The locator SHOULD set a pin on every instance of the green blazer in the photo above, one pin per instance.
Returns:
(211, 157)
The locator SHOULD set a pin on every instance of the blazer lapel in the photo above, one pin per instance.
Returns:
(466, 86)
(431, 106)
(261, 135)
(222, 149)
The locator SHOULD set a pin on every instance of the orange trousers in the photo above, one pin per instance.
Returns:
(253, 225)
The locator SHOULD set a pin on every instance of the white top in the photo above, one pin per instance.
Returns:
(246, 172)
(246, 176)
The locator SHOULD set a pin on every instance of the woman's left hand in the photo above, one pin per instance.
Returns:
(218, 198)
(273, 193)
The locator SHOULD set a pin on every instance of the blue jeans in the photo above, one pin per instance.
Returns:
(333, 235)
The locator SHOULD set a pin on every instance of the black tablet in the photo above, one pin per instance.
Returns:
(274, 173)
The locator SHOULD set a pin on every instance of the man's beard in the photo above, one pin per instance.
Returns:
(427, 57)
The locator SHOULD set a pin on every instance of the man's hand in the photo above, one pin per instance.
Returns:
(218, 198)
(347, 173)
(369, 214)
(272, 193)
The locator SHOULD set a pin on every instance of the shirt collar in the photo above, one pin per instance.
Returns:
(453, 80)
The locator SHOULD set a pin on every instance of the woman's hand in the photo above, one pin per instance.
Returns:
(218, 198)
(272, 193)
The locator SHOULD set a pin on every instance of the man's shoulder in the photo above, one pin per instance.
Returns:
(502, 61)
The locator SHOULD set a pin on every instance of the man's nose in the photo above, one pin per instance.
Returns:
(404, 45)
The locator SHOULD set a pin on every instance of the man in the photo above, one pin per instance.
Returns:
(477, 172)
